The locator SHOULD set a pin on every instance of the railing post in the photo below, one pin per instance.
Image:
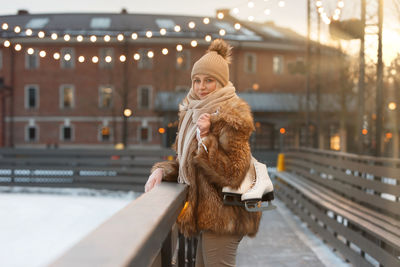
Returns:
(166, 252)
(181, 251)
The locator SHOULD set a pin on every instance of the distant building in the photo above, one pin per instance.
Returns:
(75, 74)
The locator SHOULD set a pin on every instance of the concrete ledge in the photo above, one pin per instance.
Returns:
(133, 236)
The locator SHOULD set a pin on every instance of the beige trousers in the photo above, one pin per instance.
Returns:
(217, 250)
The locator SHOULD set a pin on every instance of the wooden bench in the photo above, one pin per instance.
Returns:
(351, 201)
(88, 168)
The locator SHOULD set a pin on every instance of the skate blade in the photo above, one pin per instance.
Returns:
(256, 206)
(232, 200)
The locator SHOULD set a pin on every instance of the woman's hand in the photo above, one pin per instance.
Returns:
(154, 179)
(204, 123)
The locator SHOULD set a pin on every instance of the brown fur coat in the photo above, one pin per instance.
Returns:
(225, 164)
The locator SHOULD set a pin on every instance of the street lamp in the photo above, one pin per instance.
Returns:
(127, 113)
(392, 105)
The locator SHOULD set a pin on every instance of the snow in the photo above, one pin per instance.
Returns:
(37, 225)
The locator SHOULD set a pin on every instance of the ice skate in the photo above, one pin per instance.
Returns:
(256, 191)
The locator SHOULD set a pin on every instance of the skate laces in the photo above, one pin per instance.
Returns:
(200, 140)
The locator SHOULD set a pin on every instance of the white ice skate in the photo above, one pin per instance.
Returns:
(256, 191)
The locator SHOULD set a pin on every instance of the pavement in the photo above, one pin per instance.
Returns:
(284, 240)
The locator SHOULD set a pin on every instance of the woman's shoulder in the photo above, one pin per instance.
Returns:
(236, 113)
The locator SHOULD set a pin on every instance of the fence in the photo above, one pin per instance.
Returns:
(351, 201)
(99, 169)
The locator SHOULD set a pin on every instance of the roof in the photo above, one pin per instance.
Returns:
(262, 102)
(114, 23)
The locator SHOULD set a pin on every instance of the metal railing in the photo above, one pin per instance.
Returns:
(351, 201)
(88, 168)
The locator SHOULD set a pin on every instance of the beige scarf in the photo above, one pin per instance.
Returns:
(194, 107)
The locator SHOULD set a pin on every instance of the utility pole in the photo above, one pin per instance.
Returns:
(308, 74)
(379, 85)
(361, 82)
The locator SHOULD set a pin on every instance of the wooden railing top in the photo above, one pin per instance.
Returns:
(133, 236)
(7, 152)
(348, 155)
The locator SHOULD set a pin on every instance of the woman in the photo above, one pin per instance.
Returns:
(213, 152)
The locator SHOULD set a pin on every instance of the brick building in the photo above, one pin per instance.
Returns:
(72, 89)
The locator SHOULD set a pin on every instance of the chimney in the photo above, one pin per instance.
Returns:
(22, 12)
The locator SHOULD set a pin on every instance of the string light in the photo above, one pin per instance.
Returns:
(163, 31)
(336, 14)
(193, 43)
(220, 15)
(120, 37)
(81, 59)
(18, 47)
(250, 4)
(149, 34)
(67, 37)
(56, 56)
(267, 11)
(7, 43)
(95, 59)
(222, 32)
(79, 38)
(134, 36)
(236, 10)
(281, 3)
(93, 38)
(30, 51)
(42, 53)
(237, 26)
(28, 32)
(177, 28)
(192, 25)
(179, 47)
(208, 38)
(136, 56)
(108, 59)
(122, 58)
(67, 57)
(150, 54)
(17, 29)
(41, 34)
(4, 26)
(164, 51)
(107, 38)
(250, 18)
(54, 36)
(206, 20)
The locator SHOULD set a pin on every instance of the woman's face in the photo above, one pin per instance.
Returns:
(204, 85)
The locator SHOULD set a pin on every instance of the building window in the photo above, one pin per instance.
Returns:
(277, 66)
(66, 96)
(105, 134)
(31, 134)
(183, 60)
(250, 61)
(66, 133)
(106, 57)
(144, 97)
(67, 58)
(144, 134)
(145, 62)
(31, 96)
(32, 60)
(105, 96)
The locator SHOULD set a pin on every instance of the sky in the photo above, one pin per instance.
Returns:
(292, 15)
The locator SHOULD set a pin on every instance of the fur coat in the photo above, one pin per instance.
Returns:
(225, 164)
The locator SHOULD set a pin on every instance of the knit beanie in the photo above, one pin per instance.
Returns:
(215, 62)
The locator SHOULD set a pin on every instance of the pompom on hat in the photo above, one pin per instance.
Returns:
(215, 62)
